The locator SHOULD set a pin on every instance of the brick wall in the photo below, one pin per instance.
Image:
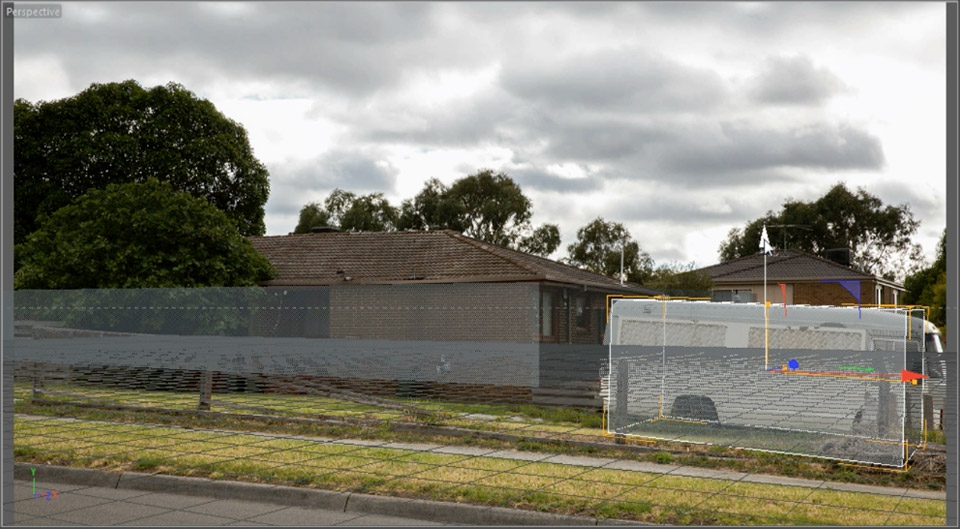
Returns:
(488, 312)
(834, 294)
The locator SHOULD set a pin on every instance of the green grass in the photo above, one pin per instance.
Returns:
(662, 458)
(548, 487)
(692, 455)
(936, 436)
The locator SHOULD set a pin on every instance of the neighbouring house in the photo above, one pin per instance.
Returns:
(807, 279)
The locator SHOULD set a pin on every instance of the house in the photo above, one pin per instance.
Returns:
(441, 312)
(436, 285)
(807, 279)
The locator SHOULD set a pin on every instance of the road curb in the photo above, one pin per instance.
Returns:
(441, 511)
(234, 490)
(72, 476)
(429, 510)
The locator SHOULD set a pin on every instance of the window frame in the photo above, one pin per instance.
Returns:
(554, 327)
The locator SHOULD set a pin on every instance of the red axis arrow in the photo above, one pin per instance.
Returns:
(908, 376)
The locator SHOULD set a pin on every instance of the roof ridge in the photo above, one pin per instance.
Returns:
(784, 257)
(838, 265)
(496, 248)
(480, 244)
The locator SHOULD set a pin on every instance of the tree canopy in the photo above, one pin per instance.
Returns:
(487, 206)
(138, 235)
(878, 235)
(598, 249)
(117, 133)
(312, 215)
(928, 286)
(676, 279)
(349, 212)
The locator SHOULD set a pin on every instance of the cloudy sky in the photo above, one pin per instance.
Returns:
(681, 120)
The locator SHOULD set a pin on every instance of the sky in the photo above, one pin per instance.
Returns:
(681, 120)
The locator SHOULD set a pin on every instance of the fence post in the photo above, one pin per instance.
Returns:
(928, 412)
(206, 390)
(37, 380)
(623, 387)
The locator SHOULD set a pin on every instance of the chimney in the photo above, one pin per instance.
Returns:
(841, 256)
(323, 229)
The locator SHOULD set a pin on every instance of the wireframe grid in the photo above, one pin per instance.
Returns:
(822, 382)
(66, 376)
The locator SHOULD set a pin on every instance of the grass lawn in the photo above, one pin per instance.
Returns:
(536, 427)
(541, 486)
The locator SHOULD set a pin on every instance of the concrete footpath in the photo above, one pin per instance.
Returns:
(76, 496)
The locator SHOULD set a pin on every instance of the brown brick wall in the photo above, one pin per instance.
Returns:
(490, 312)
(834, 294)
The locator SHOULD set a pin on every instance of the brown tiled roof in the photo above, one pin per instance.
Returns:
(784, 265)
(413, 256)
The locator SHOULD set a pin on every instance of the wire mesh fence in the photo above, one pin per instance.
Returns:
(409, 390)
(817, 381)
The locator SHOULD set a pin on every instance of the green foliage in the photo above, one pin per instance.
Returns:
(312, 215)
(598, 249)
(429, 210)
(117, 133)
(490, 207)
(349, 212)
(681, 280)
(369, 213)
(543, 241)
(138, 236)
(878, 235)
(928, 286)
(487, 206)
(663, 457)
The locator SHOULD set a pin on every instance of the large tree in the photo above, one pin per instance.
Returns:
(676, 279)
(138, 236)
(430, 209)
(312, 215)
(117, 133)
(878, 235)
(349, 212)
(928, 286)
(598, 249)
(542, 241)
(490, 207)
(487, 206)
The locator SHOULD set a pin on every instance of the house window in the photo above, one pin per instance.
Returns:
(546, 314)
(580, 312)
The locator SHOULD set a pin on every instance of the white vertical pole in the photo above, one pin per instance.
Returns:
(766, 327)
(621, 262)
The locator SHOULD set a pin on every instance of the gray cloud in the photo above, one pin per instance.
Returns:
(352, 170)
(648, 107)
(747, 148)
(627, 80)
(681, 206)
(603, 139)
(794, 80)
(544, 181)
(489, 116)
(349, 48)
